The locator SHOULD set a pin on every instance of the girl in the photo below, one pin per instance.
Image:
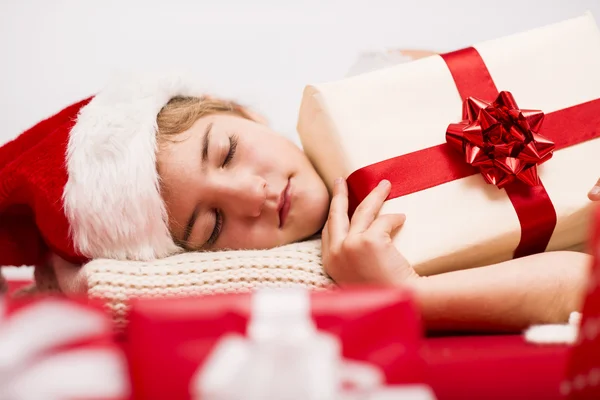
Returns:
(230, 182)
(150, 167)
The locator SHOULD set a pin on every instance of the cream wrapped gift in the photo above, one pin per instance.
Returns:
(480, 184)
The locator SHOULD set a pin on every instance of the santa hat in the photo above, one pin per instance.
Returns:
(83, 183)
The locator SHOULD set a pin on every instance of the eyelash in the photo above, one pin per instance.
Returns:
(217, 230)
(233, 142)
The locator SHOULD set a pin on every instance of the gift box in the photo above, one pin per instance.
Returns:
(490, 149)
(582, 380)
(52, 348)
(169, 340)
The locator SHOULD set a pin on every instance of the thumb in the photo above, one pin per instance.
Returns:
(594, 194)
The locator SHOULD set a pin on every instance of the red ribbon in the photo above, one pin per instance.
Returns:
(501, 140)
(440, 164)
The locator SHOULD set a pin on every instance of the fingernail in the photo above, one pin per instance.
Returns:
(384, 183)
(338, 181)
(595, 191)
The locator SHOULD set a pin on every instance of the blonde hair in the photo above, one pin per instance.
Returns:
(180, 113)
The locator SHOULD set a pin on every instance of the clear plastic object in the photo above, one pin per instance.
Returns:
(285, 357)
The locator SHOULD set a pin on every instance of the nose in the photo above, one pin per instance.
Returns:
(242, 195)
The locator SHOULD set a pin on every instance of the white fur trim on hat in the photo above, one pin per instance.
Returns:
(112, 198)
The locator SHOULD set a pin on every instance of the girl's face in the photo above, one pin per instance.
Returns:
(232, 183)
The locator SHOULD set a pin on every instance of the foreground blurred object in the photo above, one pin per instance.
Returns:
(469, 157)
(286, 357)
(55, 349)
(583, 373)
(555, 333)
(377, 328)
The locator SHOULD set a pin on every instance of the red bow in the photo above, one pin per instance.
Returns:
(501, 140)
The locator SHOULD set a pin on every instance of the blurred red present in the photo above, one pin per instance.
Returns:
(583, 370)
(170, 339)
(53, 348)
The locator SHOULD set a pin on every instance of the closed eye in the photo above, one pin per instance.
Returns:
(217, 229)
(233, 143)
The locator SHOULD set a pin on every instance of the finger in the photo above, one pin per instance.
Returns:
(594, 194)
(325, 239)
(367, 210)
(338, 221)
(387, 224)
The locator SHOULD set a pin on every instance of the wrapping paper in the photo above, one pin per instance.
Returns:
(350, 124)
(284, 356)
(57, 349)
(170, 339)
(582, 380)
(494, 367)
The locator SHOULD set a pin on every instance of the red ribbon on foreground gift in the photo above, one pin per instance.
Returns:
(440, 164)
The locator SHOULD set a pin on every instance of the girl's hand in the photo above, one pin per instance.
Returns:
(594, 194)
(361, 251)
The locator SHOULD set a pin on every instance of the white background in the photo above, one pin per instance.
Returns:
(260, 52)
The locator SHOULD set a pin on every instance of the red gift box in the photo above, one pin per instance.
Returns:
(583, 369)
(55, 348)
(169, 339)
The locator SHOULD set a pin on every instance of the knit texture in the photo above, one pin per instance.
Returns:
(205, 273)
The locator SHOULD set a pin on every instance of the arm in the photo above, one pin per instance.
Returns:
(510, 296)
(542, 288)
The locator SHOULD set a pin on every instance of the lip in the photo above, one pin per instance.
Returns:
(285, 202)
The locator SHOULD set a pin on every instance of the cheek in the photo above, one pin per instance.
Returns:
(241, 235)
(266, 156)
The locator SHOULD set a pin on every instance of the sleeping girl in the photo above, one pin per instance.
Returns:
(152, 166)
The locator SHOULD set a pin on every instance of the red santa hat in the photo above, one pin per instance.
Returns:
(83, 183)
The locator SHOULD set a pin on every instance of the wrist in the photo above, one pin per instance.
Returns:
(405, 276)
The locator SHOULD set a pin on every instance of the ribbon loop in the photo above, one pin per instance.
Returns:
(501, 140)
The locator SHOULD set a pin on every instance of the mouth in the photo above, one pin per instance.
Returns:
(285, 202)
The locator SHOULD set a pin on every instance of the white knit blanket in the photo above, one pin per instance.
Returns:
(188, 274)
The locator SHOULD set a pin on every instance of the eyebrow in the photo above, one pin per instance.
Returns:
(192, 220)
(205, 142)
